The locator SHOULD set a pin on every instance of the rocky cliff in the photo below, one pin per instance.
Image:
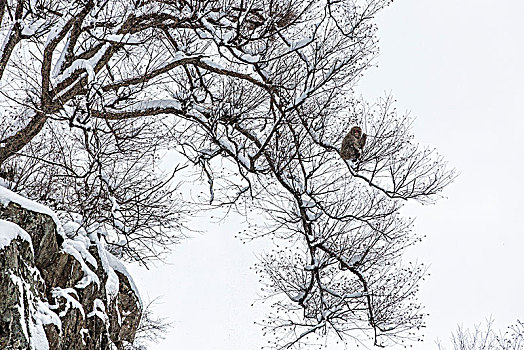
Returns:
(59, 288)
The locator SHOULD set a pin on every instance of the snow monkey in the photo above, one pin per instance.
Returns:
(352, 144)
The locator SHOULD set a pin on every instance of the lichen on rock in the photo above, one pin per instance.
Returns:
(58, 290)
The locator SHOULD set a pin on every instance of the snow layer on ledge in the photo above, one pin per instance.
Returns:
(117, 265)
(70, 301)
(10, 231)
(7, 196)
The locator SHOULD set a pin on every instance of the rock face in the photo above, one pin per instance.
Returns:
(59, 288)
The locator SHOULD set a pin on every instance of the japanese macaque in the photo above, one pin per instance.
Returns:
(352, 144)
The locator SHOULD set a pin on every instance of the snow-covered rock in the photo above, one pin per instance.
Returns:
(59, 290)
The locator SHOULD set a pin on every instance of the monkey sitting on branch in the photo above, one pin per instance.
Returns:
(352, 144)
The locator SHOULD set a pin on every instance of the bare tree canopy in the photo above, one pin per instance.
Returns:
(484, 337)
(257, 96)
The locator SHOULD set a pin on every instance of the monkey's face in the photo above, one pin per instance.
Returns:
(356, 132)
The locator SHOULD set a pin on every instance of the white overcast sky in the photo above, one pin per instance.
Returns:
(457, 66)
